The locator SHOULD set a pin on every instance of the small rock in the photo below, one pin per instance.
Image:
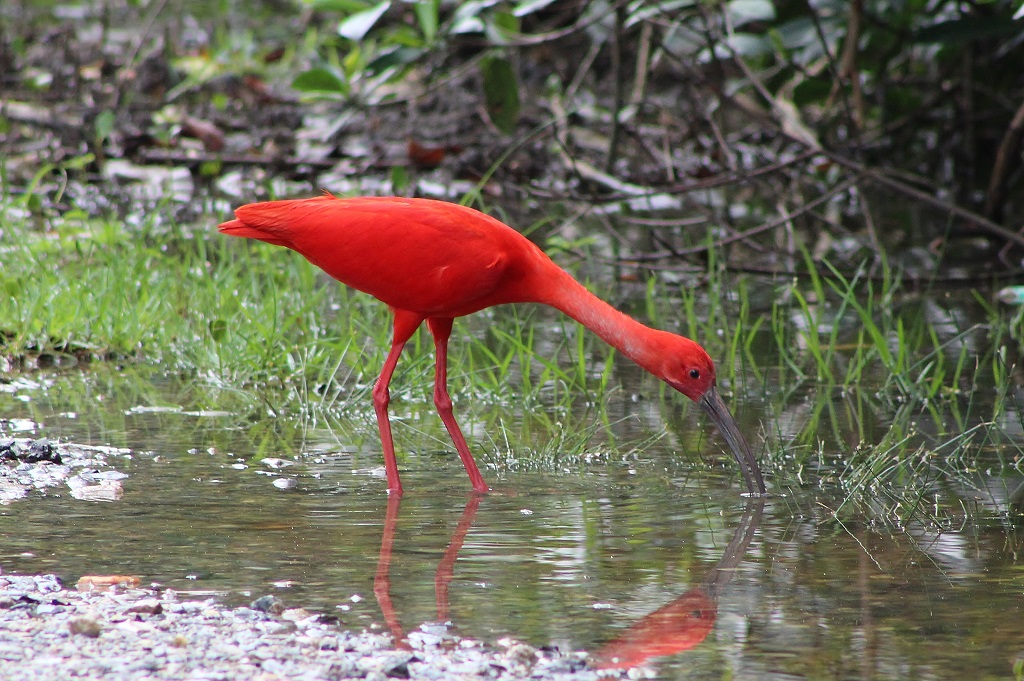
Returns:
(7, 446)
(149, 606)
(269, 604)
(42, 450)
(300, 615)
(106, 490)
(396, 665)
(86, 626)
(46, 583)
(522, 654)
(104, 582)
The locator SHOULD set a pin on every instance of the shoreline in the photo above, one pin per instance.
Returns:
(49, 631)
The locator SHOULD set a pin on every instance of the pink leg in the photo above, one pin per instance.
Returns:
(406, 324)
(441, 328)
(382, 580)
(446, 568)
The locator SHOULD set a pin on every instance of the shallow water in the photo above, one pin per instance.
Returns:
(622, 558)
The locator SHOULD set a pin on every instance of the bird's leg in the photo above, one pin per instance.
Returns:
(441, 328)
(406, 324)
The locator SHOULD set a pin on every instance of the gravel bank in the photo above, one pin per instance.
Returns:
(49, 632)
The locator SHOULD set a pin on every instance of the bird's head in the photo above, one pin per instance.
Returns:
(686, 366)
(688, 369)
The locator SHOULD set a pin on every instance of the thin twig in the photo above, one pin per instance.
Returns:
(619, 89)
(643, 56)
(848, 66)
(581, 72)
(765, 227)
(541, 38)
(924, 197)
(1001, 168)
(636, 191)
(143, 34)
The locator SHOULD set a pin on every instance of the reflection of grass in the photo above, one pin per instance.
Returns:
(876, 394)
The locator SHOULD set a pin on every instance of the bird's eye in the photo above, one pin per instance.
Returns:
(694, 374)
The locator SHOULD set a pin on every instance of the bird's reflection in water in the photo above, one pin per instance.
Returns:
(673, 628)
(685, 622)
(445, 568)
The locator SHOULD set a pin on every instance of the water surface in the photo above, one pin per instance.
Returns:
(624, 558)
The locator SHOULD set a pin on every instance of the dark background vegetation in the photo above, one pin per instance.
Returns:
(862, 131)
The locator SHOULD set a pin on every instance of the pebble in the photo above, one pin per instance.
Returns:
(51, 632)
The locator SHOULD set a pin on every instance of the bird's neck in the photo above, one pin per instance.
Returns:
(618, 329)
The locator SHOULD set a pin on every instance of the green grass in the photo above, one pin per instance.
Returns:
(888, 403)
(866, 394)
(257, 327)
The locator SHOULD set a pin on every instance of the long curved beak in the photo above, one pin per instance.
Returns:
(715, 408)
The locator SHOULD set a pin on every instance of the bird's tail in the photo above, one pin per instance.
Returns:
(274, 221)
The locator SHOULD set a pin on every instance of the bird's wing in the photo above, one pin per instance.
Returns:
(432, 257)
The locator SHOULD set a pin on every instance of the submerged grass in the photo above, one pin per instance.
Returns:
(896, 404)
(880, 398)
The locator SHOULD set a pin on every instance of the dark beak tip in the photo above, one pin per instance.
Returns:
(711, 402)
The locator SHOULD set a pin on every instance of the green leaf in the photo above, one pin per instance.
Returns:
(210, 168)
(427, 12)
(218, 329)
(467, 17)
(750, 44)
(359, 24)
(104, 125)
(76, 214)
(78, 162)
(343, 6)
(641, 10)
(319, 80)
(501, 93)
(745, 11)
(530, 6)
(401, 56)
(967, 29)
(353, 63)
(399, 179)
(501, 26)
(406, 36)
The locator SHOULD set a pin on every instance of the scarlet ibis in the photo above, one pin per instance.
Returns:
(433, 261)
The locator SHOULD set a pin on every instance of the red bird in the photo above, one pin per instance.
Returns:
(433, 261)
